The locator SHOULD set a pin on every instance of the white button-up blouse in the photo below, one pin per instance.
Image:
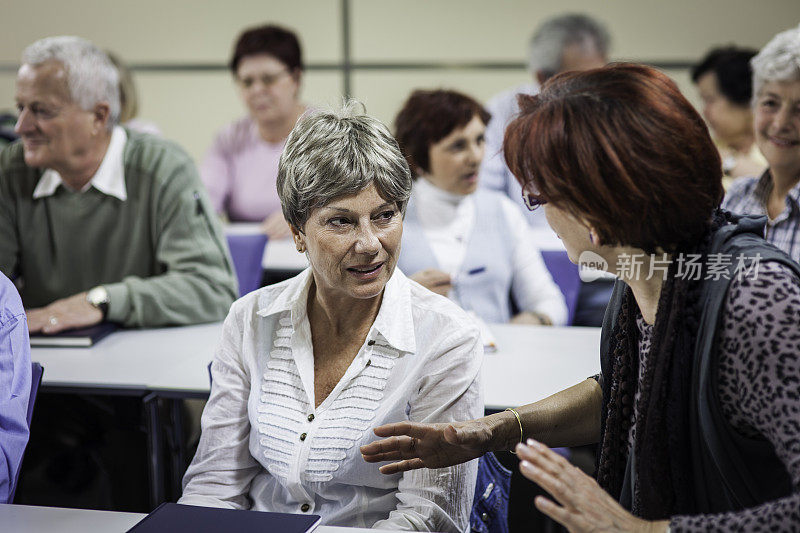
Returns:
(265, 446)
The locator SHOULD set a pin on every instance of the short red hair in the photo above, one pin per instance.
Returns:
(622, 149)
(427, 117)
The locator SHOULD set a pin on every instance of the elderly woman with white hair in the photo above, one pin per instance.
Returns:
(776, 108)
(307, 367)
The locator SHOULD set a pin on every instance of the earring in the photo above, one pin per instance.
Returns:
(591, 237)
(301, 247)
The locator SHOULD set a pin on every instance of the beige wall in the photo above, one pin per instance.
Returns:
(189, 106)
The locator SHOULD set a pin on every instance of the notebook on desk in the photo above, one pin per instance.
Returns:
(75, 338)
(170, 517)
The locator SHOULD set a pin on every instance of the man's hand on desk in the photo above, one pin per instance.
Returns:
(275, 226)
(67, 313)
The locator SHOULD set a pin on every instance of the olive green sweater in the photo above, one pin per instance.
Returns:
(161, 253)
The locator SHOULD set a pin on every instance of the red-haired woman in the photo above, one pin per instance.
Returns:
(697, 409)
(461, 241)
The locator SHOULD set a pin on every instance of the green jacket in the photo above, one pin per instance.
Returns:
(161, 253)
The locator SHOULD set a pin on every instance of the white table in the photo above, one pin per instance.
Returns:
(33, 519)
(172, 361)
(531, 362)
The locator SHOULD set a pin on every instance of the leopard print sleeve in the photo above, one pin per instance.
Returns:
(759, 389)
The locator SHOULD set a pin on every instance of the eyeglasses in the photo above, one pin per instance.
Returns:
(267, 80)
(531, 196)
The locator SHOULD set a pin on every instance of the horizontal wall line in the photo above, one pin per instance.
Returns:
(368, 66)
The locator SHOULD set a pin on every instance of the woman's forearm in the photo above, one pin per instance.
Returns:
(568, 418)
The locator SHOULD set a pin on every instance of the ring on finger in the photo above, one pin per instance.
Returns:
(53, 321)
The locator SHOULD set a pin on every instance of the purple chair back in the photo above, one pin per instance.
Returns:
(247, 251)
(565, 274)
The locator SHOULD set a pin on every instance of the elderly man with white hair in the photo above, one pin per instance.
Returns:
(98, 222)
(560, 44)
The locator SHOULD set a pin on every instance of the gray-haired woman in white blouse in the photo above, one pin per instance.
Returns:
(307, 367)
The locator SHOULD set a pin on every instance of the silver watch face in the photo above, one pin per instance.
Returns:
(97, 296)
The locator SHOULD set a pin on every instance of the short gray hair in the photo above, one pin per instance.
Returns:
(91, 77)
(547, 44)
(336, 153)
(779, 60)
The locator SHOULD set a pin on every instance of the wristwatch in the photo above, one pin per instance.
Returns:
(98, 297)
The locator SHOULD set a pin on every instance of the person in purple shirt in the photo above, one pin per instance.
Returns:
(15, 385)
(241, 167)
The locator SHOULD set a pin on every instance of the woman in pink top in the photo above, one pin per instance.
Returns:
(241, 168)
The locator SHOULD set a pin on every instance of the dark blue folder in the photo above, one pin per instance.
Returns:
(171, 517)
(75, 338)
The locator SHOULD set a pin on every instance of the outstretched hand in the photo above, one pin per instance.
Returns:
(415, 445)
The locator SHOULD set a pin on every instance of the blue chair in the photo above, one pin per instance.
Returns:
(247, 252)
(36, 379)
(565, 274)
